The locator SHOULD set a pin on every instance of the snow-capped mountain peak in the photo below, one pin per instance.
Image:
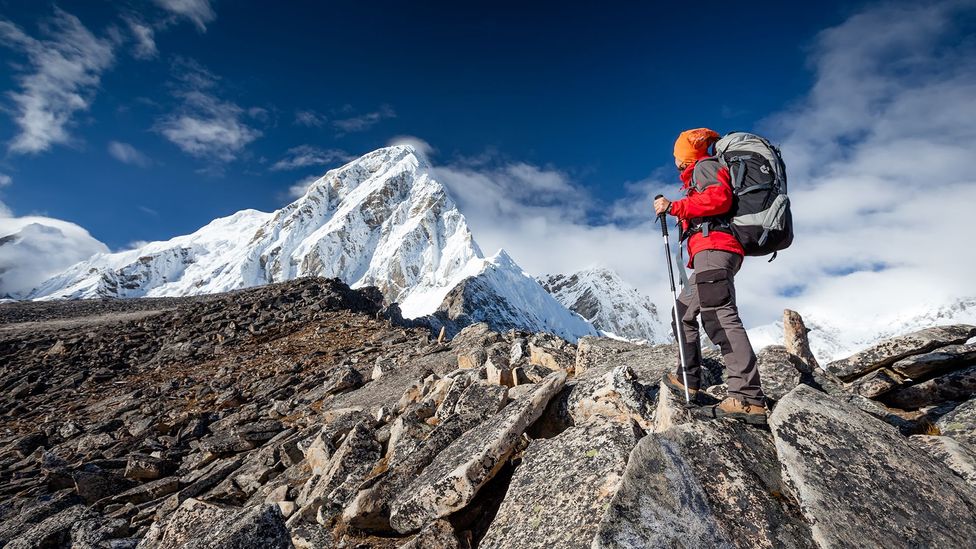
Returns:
(599, 295)
(381, 220)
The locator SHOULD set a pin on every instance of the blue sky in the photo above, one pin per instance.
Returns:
(551, 124)
(596, 92)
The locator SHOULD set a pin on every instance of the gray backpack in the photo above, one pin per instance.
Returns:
(760, 217)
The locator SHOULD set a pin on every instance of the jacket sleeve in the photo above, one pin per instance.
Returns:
(713, 196)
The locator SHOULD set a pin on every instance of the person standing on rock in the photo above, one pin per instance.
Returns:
(715, 255)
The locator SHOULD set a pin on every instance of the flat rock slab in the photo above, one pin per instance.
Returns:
(861, 484)
(958, 385)
(451, 481)
(703, 484)
(565, 480)
(946, 358)
(960, 424)
(892, 350)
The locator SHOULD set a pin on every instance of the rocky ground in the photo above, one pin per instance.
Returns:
(305, 414)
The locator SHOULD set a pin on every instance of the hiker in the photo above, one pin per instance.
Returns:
(715, 255)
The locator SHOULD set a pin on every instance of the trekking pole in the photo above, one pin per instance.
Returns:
(674, 309)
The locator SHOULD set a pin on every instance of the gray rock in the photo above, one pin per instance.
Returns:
(451, 481)
(352, 460)
(370, 508)
(860, 483)
(148, 491)
(779, 371)
(960, 423)
(436, 535)
(53, 531)
(198, 525)
(96, 484)
(342, 379)
(616, 395)
(892, 350)
(566, 480)
(957, 457)
(97, 533)
(957, 385)
(16, 520)
(144, 467)
(946, 358)
(703, 484)
(877, 383)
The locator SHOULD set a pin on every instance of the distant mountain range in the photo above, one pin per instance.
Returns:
(383, 220)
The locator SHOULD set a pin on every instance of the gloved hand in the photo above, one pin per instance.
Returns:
(662, 205)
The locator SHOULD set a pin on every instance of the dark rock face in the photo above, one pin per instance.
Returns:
(859, 482)
(960, 423)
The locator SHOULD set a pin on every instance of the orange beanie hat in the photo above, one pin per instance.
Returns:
(693, 144)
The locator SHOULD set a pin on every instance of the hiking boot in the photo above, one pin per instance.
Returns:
(731, 407)
(674, 383)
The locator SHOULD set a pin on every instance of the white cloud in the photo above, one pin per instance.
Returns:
(204, 125)
(310, 118)
(199, 12)
(144, 36)
(422, 146)
(874, 155)
(303, 156)
(60, 79)
(33, 248)
(5, 180)
(363, 122)
(127, 154)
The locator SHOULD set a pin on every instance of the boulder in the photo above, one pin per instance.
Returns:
(960, 459)
(703, 484)
(564, 480)
(958, 385)
(779, 371)
(892, 350)
(551, 358)
(451, 481)
(143, 467)
(946, 358)
(960, 423)
(860, 483)
(616, 395)
(198, 525)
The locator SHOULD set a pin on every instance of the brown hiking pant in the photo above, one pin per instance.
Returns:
(711, 291)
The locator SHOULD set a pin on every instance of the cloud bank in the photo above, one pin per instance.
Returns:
(33, 248)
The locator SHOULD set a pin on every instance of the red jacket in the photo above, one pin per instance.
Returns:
(711, 196)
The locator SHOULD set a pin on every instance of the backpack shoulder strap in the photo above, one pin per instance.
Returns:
(705, 173)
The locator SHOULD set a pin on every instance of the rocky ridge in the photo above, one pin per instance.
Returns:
(305, 414)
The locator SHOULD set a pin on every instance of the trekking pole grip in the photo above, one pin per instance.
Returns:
(662, 217)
